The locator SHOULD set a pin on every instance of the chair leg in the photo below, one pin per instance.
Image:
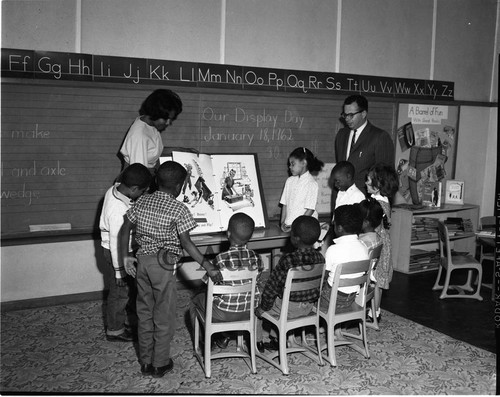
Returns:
(207, 358)
(282, 352)
(477, 294)
(446, 285)
(251, 350)
(373, 325)
(437, 286)
(331, 346)
(467, 286)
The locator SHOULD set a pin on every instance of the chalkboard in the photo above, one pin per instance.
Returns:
(60, 140)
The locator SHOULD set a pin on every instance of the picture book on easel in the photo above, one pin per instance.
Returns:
(219, 185)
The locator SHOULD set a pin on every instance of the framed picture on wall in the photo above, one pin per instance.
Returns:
(220, 185)
(454, 192)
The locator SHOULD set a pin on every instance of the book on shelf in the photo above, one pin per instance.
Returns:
(431, 194)
(218, 186)
(454, 192)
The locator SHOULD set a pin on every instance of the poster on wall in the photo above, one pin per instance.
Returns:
(220, 185)
(426, 150)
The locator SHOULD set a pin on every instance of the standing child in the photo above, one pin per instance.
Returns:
(373, 215)
(135, 179)
(162, 227)
(300, 194)
(382, 183)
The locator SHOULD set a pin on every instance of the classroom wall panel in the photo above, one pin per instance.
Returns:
(386, 37)
(43, 270)
(50, 25)
(285, 34)
(161, 29)
(473, 148)
(465, 39)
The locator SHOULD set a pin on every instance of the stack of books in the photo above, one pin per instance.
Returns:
(458, 226)
(423, 260)
(424, 228)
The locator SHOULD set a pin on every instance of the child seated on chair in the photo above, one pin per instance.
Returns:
(304, 234)
(231, 307)
(346, 248)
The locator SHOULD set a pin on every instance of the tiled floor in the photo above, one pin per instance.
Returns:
(468, 320)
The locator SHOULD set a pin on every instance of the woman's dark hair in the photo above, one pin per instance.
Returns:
(313, 163)
(384, 178)
(160, 103)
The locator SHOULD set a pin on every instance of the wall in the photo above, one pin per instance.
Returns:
(450, 40)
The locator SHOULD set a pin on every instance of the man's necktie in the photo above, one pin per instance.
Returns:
(353, 141)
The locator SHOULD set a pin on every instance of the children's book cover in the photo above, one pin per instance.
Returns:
(431, 194)
(454, 193)
(219, 185)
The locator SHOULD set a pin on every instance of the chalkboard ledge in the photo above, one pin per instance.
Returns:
(54, 236)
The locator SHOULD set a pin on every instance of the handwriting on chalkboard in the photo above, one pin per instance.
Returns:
(29, 171)
(263, 125)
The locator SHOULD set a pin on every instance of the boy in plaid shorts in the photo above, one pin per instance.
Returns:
(162, 226)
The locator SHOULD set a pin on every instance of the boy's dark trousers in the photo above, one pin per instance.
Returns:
(156, 310)
(116, 304)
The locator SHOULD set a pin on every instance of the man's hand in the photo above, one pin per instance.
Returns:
(259, 311)
(129, 264)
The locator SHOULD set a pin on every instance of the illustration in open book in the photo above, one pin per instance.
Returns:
(219, 185)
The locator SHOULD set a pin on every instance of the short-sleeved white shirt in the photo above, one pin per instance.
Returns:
(143, 144)
(351, 196)
(300, 194)
(346, 249)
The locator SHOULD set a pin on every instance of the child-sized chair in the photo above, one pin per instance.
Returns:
(370, 289)
(298, 279)
(356, 312)
(487, 247)
(450, 263)
(211, 327)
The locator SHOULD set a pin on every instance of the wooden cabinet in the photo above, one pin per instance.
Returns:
(404, 245)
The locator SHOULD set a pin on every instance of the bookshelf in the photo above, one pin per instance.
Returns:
(414, 236)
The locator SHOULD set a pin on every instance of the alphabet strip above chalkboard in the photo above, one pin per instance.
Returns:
(86, 67)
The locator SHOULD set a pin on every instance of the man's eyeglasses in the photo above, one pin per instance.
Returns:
(346, 116)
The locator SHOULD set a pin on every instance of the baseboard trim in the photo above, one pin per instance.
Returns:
(52, 301)
(73, 298)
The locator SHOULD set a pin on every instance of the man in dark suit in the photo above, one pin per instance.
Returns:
(360, 142)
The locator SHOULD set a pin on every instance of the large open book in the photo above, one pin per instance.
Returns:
(219, 185)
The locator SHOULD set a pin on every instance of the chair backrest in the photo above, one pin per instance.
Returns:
(374, 257)
(357, 275)
(247, 278)
(301, 279)
(444, 243)
(487, 222)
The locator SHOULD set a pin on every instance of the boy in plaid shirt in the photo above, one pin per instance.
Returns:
(162, 227)
(232, 307)
(304, 234)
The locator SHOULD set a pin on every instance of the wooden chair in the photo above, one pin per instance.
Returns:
(356, 312)
(486, 248)
(211, 327)
(449, 263)
(297, 279)
(370, 290)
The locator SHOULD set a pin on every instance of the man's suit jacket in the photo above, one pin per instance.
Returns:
(374, 145)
